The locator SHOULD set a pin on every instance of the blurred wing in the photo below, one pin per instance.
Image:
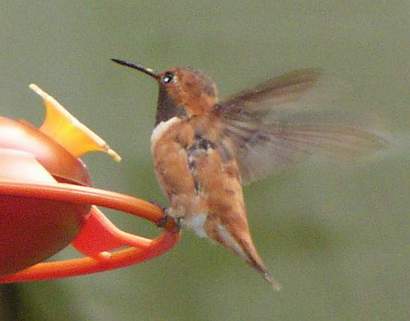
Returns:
(273, 126)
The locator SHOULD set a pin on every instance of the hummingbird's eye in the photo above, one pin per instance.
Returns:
(168, 77)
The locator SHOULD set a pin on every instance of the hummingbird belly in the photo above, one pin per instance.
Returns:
(202, 182)
(169, 142)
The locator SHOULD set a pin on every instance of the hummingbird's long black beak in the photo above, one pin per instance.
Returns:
(147, 71)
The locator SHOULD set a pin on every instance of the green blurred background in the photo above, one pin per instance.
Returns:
(337, 237)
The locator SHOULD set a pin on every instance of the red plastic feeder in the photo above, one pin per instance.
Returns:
(46, 203)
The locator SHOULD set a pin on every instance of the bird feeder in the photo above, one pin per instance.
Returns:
(47, 203)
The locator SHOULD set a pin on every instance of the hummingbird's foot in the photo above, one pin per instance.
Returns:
(158, 204)
(178, 222)
(163, 221)
(168, 219)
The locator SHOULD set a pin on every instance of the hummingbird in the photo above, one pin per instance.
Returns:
(204, 150)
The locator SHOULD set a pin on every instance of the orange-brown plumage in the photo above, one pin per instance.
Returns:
(193, 90)
(205, 182)
(204, 150)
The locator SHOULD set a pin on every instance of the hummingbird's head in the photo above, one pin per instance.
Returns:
(183, 92)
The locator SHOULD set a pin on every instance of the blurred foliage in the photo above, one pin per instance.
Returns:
(336, 237)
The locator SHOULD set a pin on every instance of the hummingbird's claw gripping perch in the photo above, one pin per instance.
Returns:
(163, 221)
(158, 204)
(167, 220)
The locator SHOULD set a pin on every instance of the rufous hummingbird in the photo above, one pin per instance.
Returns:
(204, 150)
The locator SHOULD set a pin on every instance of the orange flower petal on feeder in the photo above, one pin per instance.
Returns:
(40, 213)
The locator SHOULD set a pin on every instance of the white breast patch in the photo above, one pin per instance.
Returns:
(161, 128)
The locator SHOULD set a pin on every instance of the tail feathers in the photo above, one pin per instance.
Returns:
(243, 246)
(254, 260)
(275, 284)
